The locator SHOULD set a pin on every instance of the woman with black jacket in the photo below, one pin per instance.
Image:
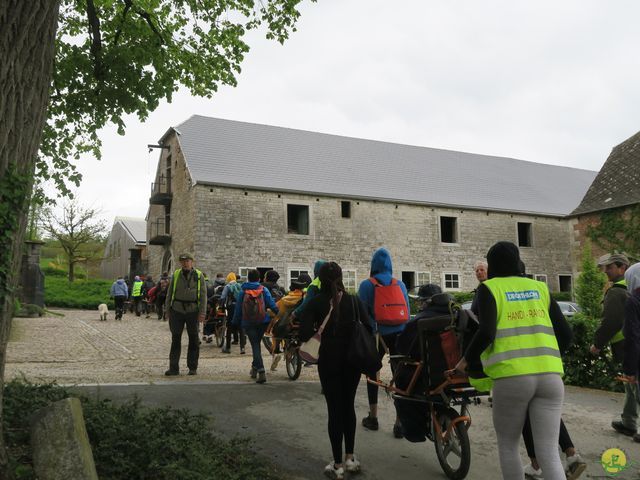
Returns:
(339, 379)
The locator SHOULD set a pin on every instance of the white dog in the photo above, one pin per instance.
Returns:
(104, 311)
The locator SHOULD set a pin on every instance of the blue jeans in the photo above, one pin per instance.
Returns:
(255, 334)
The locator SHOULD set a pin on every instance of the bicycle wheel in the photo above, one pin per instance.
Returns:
(220, 331)
(294, 362)
(454, 454)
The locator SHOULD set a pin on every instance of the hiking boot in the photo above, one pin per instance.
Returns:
(171, 373)
(575, 466)
(370, 423)
(352, 465)
(242, 351)
(332, 472)
(397, 431)
(620, 427)
(275, 361)
(636, 438)
(225, 350)
(253, 373)
(192, 371)
(262, 377)
(531, 473)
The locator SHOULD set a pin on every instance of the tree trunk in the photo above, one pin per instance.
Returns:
(72, 266)
(27, 43)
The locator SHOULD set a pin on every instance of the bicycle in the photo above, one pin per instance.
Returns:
(289, 346)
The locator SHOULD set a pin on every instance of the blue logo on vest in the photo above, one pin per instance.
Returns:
(522, 296)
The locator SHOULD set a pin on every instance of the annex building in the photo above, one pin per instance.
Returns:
(126, 249)
(241, 195)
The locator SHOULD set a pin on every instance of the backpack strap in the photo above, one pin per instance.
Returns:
(376, 283)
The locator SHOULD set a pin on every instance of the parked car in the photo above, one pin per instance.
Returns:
(569, 309)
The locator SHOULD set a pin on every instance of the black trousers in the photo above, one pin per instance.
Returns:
(177, 322)
(119, 301)
(339, 382)
(390, 342)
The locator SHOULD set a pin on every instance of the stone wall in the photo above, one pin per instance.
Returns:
(229, 228)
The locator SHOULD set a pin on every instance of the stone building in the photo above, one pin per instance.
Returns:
(240, 195)
(614, 194)
(126, 249)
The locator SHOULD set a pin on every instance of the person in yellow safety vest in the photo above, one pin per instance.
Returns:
(520, 337)
(136, 295)
(186, 306)
(610, 331)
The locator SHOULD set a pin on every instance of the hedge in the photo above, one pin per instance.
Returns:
(59, 292)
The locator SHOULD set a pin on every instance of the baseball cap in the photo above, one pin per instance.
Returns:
(185, 256)
(613, 258)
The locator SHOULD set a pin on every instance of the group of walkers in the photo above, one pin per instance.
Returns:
(516, 350)
(143, 294)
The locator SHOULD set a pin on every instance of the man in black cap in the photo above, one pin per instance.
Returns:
(610, 331)
(186, 306)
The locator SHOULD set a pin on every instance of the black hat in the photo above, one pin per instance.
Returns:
(427, 291)
(301, 282)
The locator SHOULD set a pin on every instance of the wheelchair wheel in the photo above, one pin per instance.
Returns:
(293, 362)
(220, 331)
(268, 343)
(454, 454)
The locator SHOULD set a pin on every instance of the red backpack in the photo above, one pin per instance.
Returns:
(253, 309)
(389, 304)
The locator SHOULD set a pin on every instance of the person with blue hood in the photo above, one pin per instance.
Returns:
(631, 330)
(251, 314)
(120, 293)
(389, 324)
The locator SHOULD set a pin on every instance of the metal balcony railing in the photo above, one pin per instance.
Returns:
(161, 191)
(160, 231)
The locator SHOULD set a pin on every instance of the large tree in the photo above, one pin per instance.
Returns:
(70, 67)
(75, 228)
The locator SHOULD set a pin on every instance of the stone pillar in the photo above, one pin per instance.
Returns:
(31, 277)
(60, 443)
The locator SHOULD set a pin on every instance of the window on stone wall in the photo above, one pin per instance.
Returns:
(448, 229)
(345, 209)
(541, 278)
(451, 281)
(422, 278)
(524, 234)
(566, 283)
(298, 219)
(294, 274)
(244, 271)
(349, 280)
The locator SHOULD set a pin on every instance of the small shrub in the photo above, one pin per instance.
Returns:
(584, 369)
(132, 442)
(590, 285)
(562, 296)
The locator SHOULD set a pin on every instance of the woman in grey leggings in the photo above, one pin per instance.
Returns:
(521, 334)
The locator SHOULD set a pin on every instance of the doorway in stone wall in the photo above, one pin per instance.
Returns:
(409, 279)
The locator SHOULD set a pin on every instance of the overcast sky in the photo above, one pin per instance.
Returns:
(554, 82)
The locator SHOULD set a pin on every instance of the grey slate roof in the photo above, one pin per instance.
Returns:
(136, 227)
(247, 155)
(618, 183)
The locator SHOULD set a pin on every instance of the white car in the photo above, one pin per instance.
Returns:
(569, 309)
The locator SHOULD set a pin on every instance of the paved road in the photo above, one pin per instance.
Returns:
(287, 419)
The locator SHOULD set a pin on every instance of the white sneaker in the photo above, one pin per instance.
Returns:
(352, 465)
(575, 466)
(532, 473)
(275, 361)
(332, 472)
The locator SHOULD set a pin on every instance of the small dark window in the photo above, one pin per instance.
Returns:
(524, 234)
(298, 219)
(565, 283)
(345, 208)
(448, 229)
(409, 279)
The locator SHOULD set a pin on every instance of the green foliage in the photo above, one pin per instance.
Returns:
(13, 191)
(618, 231)
(562, 296)
(461, 297)
(581, 367)
(131, 442)
(59, 292)
(116, 58)
(590, 285)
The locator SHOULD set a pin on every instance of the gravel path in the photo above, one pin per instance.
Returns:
(78, 348)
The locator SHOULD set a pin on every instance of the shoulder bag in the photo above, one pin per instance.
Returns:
(310, 350)
(363, 353)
